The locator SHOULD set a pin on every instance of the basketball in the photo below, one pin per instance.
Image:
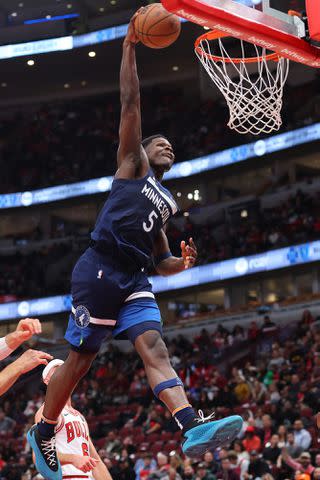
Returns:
(156, 27)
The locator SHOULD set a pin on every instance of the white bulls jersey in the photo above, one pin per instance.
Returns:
(72, 437)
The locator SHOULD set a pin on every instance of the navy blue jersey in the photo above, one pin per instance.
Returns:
(132, 217)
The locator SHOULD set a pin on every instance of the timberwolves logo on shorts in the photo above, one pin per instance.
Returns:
(82, 316)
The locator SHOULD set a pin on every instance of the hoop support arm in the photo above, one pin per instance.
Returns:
(233, 20)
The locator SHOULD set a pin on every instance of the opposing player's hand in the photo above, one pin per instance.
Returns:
(189, 253)
(24, 331)
(32, 359)
(85, 463)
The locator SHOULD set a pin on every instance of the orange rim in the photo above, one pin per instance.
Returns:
(217, 34)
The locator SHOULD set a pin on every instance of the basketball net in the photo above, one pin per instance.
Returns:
(254, 99)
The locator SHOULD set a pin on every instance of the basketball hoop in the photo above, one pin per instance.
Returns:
(254, 98)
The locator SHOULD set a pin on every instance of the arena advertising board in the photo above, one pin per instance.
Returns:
(225, 270)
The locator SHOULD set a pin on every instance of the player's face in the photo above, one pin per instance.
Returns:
(160, 154)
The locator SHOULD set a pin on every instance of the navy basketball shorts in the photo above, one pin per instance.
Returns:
(108, 301)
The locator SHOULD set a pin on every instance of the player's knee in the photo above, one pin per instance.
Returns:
(79, 363)
(158, 352)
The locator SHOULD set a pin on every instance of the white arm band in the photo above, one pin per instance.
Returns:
(4, 349)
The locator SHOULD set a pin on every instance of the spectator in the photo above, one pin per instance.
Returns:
(272, 451)
(189, 474)
(293, 449)
(303, 464)
(316, 474)
(211, 465)
(203, 473)
(282, 433)
(6, 423)
(257, 466)
(267, 429)
(238, 465)
(251, 442)
(302, 437)
(144, 465)
(227, 472)
(162, 467)
(112, 443)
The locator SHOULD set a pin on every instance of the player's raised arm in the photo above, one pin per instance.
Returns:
(132, 159)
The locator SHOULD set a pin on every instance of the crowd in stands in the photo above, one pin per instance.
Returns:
(48, 271)
(274, 385)
(66, 142)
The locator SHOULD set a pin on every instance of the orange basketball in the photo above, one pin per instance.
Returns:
(155, 27)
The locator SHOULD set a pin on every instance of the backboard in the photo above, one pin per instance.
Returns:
(261, 22)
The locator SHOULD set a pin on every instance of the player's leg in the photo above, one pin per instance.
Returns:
(63, 382)
(200, 434)
(140, 321)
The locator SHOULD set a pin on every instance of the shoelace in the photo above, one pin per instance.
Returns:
(202, 418)
(49, 451)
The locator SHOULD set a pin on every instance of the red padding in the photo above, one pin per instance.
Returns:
(250, 29)
(313, 12)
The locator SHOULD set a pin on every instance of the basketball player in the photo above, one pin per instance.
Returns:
(76, 452)
(110, 288)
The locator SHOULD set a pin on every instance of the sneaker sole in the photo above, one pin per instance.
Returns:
(221, 436)
(34, 446)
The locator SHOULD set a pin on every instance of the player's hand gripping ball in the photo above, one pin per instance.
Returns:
(155, 27)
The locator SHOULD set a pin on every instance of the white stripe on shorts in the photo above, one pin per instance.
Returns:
(99, 321)
(133, 296)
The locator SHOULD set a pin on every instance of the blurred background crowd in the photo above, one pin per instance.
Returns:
(274, 385)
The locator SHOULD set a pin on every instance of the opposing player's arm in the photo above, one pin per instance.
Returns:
(165, 263)
(26, 362)
(100, 472)
(132, 159)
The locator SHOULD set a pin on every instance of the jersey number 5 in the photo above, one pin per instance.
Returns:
(152, 217)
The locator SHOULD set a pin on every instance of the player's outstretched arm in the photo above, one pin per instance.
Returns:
(28, 361)
(166, 264)
(132, 159)
(100, 472)
(23, 332)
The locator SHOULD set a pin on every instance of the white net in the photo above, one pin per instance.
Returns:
(254, 99)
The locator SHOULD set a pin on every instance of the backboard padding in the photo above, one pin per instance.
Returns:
(237, 20)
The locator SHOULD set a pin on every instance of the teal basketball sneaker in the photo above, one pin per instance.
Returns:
(46, 459)
(204, 434)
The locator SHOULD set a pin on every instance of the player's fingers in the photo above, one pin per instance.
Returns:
(93, 463)
(192, 244)
(42, 361)
(38, 326)
(191, 251)
(183, 246)
(44, 355)
(26, 325)
(190, 261)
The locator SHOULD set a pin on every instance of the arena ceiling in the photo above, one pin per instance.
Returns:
(27, 9)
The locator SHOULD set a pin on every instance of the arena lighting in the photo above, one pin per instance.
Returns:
(213, 272)
(64, 43)
(230, 156)
(49, 18)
